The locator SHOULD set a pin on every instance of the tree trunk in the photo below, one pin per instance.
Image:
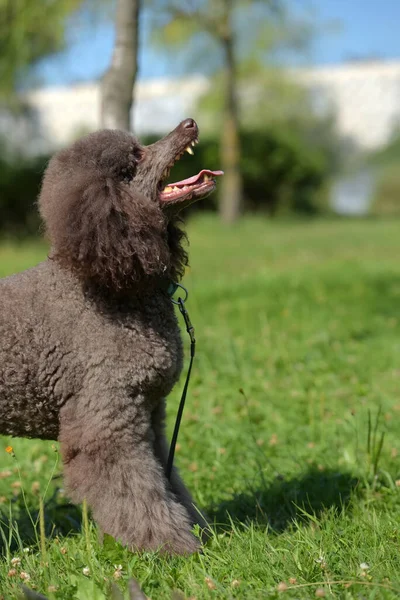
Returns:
(118, 82)
(231, 188)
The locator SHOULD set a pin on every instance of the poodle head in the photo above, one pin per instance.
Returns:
(108, 213)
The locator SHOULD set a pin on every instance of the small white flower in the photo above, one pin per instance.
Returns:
(118, 571)
(15, 561)
(321, 560)
(25, 576)
(86, 571)
(26, 550)
(364, 566)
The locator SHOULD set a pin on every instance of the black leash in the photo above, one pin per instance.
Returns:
(190, 329)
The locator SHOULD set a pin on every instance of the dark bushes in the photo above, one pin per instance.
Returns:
(20, 180)
(282, 172)
(385, 166)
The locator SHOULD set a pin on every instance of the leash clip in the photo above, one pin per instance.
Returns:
(188, 323)
(175, 287)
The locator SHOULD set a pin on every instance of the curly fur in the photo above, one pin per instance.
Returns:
(100, 225)
(89, 342)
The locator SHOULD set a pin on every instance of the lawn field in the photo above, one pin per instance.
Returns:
(291, 436)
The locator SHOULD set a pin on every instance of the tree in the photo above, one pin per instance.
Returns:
(118, 83)
(227, 33)
(231, 198)
(29, 31)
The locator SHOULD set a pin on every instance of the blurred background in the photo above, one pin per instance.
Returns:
(293, 409)
(298, 101)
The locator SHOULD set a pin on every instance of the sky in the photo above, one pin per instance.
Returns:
(346, 29)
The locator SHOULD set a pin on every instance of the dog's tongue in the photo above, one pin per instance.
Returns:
(195, 178)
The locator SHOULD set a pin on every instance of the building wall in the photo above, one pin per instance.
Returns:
(64, 113)
(364, 96)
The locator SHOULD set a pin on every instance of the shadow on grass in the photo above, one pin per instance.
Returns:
(280, 503)
(277, 505)
(19, 527)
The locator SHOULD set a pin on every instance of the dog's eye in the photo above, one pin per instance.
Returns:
(127, 173)
(128, 170)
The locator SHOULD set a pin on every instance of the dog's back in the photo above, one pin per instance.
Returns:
(26, 351)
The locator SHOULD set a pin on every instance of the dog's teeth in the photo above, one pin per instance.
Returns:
(206, 178)
(167, 189)
(189, 150)
(193, 143)
(175, 189)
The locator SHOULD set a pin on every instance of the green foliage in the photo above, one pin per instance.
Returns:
(267, 96)
(387, 155)
(298, 332)
(282, 172)
(229, 38)
(273, 102)
(385, 163)
(260, 27)
(29, 31)
(20, 180)
(386, 201)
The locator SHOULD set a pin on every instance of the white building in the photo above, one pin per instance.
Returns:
(65, 112)
(365, 97)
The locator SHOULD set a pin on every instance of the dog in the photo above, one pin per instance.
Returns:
(89, 342)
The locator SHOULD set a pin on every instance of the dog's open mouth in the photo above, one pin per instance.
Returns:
(190, 189)
(194, 187)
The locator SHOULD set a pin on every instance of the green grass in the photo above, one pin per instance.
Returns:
(297, 377)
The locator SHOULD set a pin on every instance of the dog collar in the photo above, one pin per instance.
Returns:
(171, 288)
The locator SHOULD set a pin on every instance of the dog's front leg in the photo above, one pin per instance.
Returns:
(161, 448)
(109, 460)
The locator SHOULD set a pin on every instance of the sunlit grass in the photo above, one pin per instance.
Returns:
(297, 376)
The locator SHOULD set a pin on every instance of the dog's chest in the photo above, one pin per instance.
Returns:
(149, 348)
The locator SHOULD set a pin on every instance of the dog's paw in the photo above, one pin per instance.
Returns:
(185, 544)
(181, 542)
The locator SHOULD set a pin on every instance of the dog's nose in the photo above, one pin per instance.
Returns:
(189, 124)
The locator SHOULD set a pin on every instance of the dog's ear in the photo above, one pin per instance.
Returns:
(105, 231)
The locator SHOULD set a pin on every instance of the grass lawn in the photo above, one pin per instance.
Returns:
(291, 436)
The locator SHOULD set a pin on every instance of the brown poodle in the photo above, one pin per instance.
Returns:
(89, 341)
